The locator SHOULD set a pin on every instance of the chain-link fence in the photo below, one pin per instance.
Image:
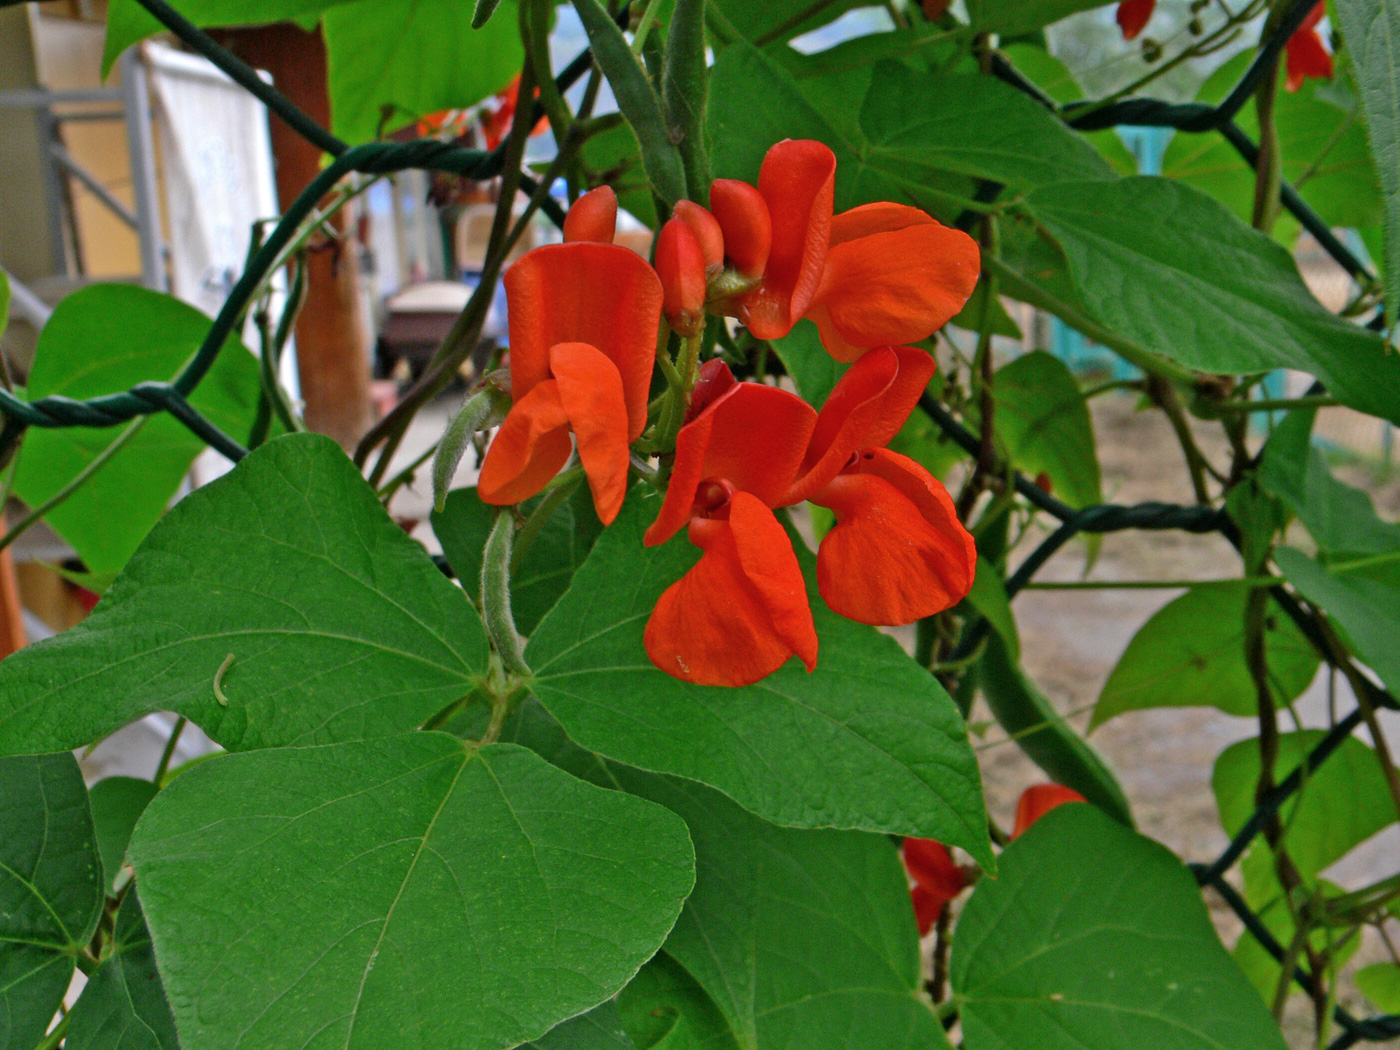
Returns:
(433, 155)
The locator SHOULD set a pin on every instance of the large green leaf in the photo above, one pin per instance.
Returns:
(117, 803)
(802, 938)
(1043, 422)
(867, 741)
(103, 340)
(1094, 936)
(439, 894)
(898, 134)
(599, 1029)
(1191, 654)
(1055, 79)
(544, 573)
(1340, 518)
(1012, 17)
(1167, 267)
(1322, 144)
(1363, 599)
(1380, 982)
(665, 1009)
(123, 1006)
(50, 889)
(339, 626)
(415, 57)
(1372, 32)
(1341, 804)
(128, 21)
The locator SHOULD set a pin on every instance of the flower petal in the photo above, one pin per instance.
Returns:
(593, 217)
(706, 228)
(1133, 16)
(879, 217)
(680, 263)
(928, 906)
(599, 294)
(591, 392)
(893, 287)
(1038, 800)
(752, 436)
(931, 865)
(865, 410)
(741, 611)
(897, 552)
(798, 182)
(528, 450)
(746, 226)
(1307, 57)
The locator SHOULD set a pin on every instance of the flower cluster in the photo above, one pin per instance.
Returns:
(585, 317)
(1307, 55)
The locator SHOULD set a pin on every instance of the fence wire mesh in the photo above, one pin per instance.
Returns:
(433, 155)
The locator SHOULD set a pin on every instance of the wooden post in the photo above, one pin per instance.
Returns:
(331, 342)
(12, 635)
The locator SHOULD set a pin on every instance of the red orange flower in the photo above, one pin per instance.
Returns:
(1038, 800)
(1307, 56)
(778, 235)
(742, 610)
(593, 217)
(897, 552)
(893, 275)
(937, 880)
(1133, 16)
(877, 275)
(583, 323)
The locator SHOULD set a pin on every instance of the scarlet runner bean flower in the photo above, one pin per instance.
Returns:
(937, 879)
(742, 610)
(583, 324)
(1307, 57)
(876, 275)
(1038, 800)
(1133, 16)
(896, 554)
(593, 217)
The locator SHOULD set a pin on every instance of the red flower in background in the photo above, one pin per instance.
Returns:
(583, 322)
(742, 610)
(937, 880)
(1038, 800)
(1133, 16)
(1307, 56)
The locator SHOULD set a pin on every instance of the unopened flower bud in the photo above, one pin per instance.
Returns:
(593, 217)
(706, 229)
(743, 217)
(680, 263)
